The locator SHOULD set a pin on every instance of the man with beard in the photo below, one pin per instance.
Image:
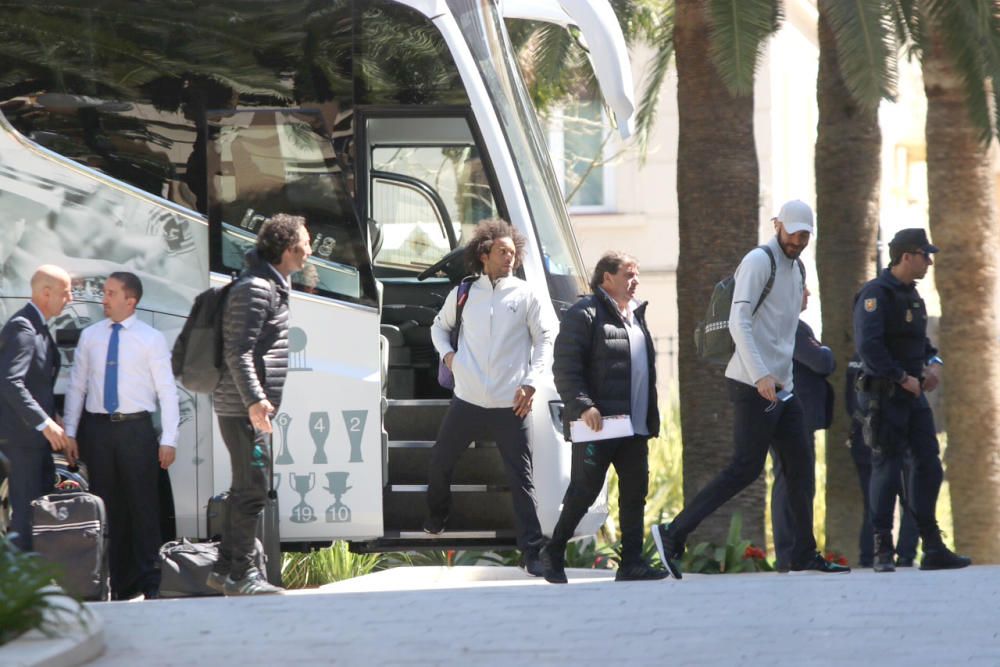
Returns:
(899, 364)
(767, 414)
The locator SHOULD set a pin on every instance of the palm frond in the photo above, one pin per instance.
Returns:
(866, 47)
(970, 32)
(662, 39)
(740, 29)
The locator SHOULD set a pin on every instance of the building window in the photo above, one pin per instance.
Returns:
(579, 138)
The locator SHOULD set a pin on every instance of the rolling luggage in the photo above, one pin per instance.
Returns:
(70, 530)
(267, 530)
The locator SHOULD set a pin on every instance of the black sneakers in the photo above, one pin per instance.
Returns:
(434, 525)
(820, 565)
(533, 564)
(943, 558)
(883, 552)
(640, 572)
(553, 565)
(904, 561)
(670, 552)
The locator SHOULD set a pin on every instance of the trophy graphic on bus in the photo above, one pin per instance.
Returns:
(354, 421)
(302, 484)
(284, 420)
(338, 512)
(319, 429)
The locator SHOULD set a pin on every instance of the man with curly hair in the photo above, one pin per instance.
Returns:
(504, 348)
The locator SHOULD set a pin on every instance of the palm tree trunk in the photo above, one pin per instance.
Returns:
(964, 225)
(717, 193)
(848, 145)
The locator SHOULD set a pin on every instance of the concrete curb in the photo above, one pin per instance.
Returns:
(75, 640)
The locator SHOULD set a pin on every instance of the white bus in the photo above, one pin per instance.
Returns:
(156, 136)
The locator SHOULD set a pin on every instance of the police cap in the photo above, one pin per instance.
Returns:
(913, 239)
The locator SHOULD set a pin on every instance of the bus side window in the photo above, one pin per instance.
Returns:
(267, 161)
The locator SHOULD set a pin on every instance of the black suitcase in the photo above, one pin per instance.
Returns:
(267, 529)
(70, 529)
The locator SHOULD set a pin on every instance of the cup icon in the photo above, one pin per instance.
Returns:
(338, 512)
(284, 420)
(319, 429)
(302, 484)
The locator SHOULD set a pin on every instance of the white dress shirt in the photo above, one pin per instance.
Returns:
(144, 374)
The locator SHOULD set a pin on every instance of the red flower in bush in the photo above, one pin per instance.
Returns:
(754, 553)
(833, 557)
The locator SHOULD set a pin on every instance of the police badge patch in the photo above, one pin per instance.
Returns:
(871, 305)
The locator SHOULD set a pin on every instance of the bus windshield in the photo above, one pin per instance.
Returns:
(484, 31)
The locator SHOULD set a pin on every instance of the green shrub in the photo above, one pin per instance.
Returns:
(323, 566)
(735, 556)
(28, 594)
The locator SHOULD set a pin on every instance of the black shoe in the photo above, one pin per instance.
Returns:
(883, 552)
(943, 558)
(434, 525)
(670, 552)
(781, 568)
(533, 564)
(866, 562)
(821, 565)
(640, 572)
(553, 565)
(903, 561)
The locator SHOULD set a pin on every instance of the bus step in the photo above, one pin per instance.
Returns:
(470, 510)
(396, 540)
(414, 419)
(408, 464)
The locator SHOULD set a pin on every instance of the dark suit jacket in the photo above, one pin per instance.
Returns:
(812, 363)
(29, 363)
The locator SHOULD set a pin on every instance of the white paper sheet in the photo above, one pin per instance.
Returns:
(615, 426)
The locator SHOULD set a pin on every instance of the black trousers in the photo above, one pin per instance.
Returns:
(909, 536)
(31, 474)
(924, 481)
(250, 458)
(630, 457)
(123, 461)
(756, 428)
(465, 422)
(782, 517)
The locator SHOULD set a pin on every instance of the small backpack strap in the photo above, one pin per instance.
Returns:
(770, 280)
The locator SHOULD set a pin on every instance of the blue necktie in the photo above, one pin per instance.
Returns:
(111, 372)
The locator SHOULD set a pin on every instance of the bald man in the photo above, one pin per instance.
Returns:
(29, 428)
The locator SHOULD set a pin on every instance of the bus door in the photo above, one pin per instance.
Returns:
(327, 432)
(426, 184)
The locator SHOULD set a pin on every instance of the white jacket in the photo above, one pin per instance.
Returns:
(765, 342)
(505, 341)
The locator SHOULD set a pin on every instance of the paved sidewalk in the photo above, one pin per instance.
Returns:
(499, 616)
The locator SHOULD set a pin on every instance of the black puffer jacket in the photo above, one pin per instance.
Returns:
(255, 341)
(592, 363)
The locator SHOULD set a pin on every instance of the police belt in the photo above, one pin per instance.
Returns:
(119, 416)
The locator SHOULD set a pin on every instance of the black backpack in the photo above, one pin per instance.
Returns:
(197, 355)
(712, 340)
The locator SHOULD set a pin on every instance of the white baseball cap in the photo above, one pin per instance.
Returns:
(796, 216)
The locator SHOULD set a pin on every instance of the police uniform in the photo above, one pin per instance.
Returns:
(890, 328)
